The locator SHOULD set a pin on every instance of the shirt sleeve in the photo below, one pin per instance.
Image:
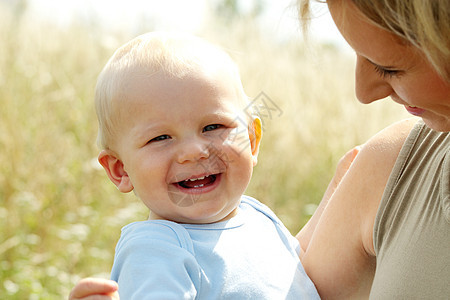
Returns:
(151, 263)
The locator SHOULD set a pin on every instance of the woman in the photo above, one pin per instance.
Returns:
(385, 231)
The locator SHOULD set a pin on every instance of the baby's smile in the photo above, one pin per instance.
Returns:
(198, 182)
(189, 191)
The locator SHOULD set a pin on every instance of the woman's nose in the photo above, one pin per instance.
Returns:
(369, 85)
(192, 150)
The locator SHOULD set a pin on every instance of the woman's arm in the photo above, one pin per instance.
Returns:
(340, 256)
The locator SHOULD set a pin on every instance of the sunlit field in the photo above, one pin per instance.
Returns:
(61, 217)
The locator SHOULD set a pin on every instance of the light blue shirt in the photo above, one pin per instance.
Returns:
(250, 256)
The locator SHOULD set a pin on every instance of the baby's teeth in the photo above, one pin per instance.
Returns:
(198, 186)
(200, 178)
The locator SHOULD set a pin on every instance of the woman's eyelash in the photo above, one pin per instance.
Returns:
(384, 73)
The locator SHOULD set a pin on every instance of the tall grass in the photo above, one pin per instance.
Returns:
(60, 217)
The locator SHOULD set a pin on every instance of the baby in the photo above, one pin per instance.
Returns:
(176, 128)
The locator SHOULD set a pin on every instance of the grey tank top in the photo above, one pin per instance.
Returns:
(412, 226)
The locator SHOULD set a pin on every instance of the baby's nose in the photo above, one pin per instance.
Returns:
(192, 151)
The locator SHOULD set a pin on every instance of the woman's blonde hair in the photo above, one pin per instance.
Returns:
(173, 54)
(423, 23)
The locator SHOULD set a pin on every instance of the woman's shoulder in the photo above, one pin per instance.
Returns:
(379, 153)
(388, 142)
(376, 159)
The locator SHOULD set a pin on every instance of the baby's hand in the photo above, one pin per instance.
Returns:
(95, 289)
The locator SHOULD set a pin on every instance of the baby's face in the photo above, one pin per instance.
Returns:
(185, 146)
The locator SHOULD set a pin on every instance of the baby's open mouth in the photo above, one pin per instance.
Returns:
(198, 182)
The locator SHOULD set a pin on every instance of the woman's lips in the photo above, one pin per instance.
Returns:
(415, 111)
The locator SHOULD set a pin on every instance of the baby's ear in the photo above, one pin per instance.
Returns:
(115, 170)
(255, 135)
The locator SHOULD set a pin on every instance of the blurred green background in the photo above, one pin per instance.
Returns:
(60, 217)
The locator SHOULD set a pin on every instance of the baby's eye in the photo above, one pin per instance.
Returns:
(160, 138)
(212, 127)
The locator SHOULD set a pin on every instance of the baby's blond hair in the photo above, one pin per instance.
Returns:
(173, 54)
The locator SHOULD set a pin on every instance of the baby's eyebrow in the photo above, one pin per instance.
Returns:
(221, 115)
(142, 131)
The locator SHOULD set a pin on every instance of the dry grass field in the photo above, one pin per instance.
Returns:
(60, 217)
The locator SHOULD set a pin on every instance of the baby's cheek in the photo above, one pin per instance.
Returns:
(238, 140)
